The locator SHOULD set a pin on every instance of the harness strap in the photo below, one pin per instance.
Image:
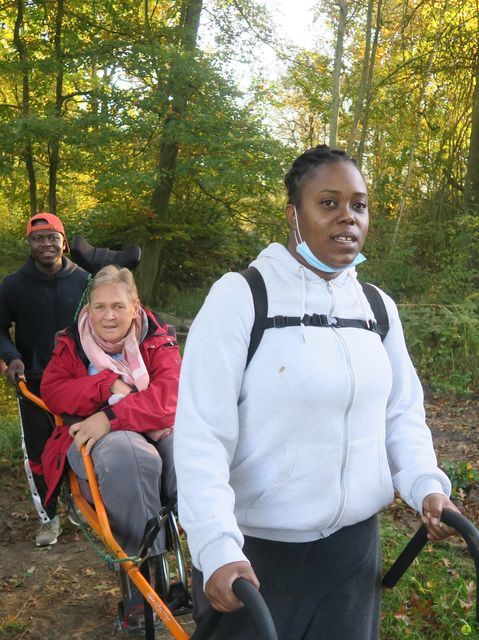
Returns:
(263, 322)
(376, 302)
(316, 320)
(152, 529)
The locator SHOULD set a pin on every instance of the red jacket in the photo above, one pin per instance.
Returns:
(68, 389)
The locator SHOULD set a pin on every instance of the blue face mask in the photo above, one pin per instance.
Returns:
(305, 252)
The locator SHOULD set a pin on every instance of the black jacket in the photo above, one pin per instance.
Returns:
(39, 305)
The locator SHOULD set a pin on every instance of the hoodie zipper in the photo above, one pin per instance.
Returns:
(345, 435)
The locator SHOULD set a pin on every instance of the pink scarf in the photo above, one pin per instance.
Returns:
(131, 368)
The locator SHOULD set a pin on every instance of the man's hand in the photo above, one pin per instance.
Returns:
(15, 370)
(120, 387)
(218, 588)
(90, 431)
(432, 507)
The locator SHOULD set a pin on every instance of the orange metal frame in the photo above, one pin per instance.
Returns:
(98, 520)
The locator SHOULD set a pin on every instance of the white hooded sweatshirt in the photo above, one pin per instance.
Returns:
(316, 433)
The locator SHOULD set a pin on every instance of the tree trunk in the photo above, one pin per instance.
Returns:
(54, 144)
(369, 84)
(471, 182)
(27, 150)
(338, 58)
(417, 128)
(148, 277)
(363, 83)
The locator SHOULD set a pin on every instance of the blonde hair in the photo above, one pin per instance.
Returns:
(112, 274)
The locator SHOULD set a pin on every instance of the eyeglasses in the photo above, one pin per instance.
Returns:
(52, 238)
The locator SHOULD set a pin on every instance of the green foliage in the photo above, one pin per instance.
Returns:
(8, 404)
(444, 343)
(123, 70)
(9, 438)
(183, 304)
(9, 423)
(434, 260)
(462, 476)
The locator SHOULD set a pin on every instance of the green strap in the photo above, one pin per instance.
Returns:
(84, 297)
(108, 559)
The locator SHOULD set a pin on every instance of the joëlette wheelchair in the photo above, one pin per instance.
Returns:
(167, 599)
(176, 595)
(96, 517)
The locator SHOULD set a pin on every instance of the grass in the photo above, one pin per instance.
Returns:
(436, 597)
(11, 625)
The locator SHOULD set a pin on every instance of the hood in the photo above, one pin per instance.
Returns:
(344, 293)
(31, 271)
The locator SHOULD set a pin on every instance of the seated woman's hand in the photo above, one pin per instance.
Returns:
(90, 431)
(121, 387)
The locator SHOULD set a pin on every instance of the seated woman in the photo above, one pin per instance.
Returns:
(116, 370)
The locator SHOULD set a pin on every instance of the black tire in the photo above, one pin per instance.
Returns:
(162, 577)
(174, 543)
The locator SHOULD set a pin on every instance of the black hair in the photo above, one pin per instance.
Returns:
(307, 162)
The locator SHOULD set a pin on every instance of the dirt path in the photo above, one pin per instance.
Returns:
(66, 591)
(63, 591)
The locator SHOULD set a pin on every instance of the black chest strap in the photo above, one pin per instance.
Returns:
(263, 322)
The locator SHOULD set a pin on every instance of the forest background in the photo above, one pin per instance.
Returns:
(127, 119)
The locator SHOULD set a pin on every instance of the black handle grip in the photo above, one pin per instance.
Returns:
(255, 605)
(406, 557)
(466, 528)
(453, 519)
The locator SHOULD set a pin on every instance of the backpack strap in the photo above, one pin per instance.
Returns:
(263, 322)
(378, 308)
(260, 300)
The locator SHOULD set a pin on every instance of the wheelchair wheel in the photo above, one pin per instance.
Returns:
(162, 577)
(174, 543)
(175, 593)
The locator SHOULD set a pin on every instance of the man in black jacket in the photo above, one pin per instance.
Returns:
(37, 301)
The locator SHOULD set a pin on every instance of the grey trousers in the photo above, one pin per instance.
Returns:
(323, 590)
(130, 471)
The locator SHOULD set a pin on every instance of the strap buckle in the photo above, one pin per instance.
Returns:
(279, 322)
(319, 320)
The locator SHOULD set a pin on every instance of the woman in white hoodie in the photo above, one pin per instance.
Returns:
(283, 464)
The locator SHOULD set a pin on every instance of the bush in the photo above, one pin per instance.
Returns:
(462, 476)
(444, 344)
